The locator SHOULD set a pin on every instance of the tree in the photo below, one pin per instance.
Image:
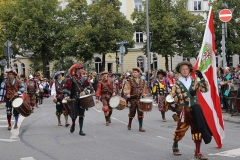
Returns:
(172, 28)
(31, 25)
(233, 29)
(106, 25)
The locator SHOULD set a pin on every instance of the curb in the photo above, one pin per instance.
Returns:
(227, 117)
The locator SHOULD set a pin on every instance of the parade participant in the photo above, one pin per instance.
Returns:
(160, 92)
(74, 87)
(14, 88)
(41, 91)
(31, 88)
(46, 88)
(171, 79)
(106, 89)
(57, 93)
(190, 112)
(134, 89)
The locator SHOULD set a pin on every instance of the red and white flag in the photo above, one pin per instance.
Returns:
(210, 101)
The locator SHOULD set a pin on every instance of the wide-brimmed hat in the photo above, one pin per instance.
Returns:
(137, 69)
(11, 70)
(30, 77)
(161, 72)
(74, 67)
(184, 63)
(103, 72)
(57, 73)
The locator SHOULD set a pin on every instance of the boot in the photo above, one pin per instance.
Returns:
(129, 123)
(107, 120)
(72, 129)
(109, 116)
(175, 149)
(80, 126)
(66, 121)
(9, 122)
(198, 154)
(163, 116)
(140, 120)
(59, 119)
(16, 121)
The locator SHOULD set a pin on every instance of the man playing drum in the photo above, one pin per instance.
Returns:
(57, 93)
(106, 89)
(31, 91)
(14, 88)
(74, 87)
(189, 111)
(134, 89)
(160, 86)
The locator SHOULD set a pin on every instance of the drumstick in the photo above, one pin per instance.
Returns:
(12, 97)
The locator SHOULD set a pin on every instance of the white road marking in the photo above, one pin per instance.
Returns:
(163, 138)
(229, 153)
(27, 158)
(14, 132)
(97, 110)
(119, 120)
(4, 120)
(4, 126)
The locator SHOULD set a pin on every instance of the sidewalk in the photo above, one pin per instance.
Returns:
(226, 116)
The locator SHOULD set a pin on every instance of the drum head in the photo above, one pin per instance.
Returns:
(17, 102)
(64, 101)
(114, 101)
(85, 96)
(146, 100)
(169, 98)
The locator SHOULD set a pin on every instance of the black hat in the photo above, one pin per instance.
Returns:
(184, 63)
(161, 72)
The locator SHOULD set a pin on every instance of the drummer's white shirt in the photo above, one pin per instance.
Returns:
(186, 81)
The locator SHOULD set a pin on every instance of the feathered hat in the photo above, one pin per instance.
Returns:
(74, 67)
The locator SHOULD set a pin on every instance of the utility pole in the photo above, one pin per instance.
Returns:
(148, 40)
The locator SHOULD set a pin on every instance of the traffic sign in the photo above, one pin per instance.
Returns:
(225, 15)
(122, 49)
(6, 52)
(3, 62)
(8, 43)
(123, 42)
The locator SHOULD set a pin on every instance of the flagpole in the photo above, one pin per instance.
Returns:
(148, 39)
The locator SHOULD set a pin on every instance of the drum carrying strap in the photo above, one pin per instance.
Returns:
(76, 84)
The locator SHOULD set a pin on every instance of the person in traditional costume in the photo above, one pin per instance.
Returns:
(134, 89)
(57, 93)
(105, 90)
(190, 113)
(160, 90)
(74, 88)
(32, 87)
(14, 88)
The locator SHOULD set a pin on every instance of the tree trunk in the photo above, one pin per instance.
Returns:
(44, 61)
(103, 62)
(166, 62)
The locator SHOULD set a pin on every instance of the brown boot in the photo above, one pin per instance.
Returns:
(107, 123)
(141, 130)
(164, 120)
(129, 126)
(15, 126)
(9, 127)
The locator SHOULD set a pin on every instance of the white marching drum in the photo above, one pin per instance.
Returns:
(117, 102)
(169, 98)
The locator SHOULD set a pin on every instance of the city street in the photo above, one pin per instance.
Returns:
(39, 138)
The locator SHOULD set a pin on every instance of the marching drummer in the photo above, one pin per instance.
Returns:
(159, 90)
(14, 88)
(134, 89)
(74, 87)
(57, 93)
(106, 89)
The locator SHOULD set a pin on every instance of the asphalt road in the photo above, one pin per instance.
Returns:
(40, 138)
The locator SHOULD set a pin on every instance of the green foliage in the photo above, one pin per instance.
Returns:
(233, 28)
(106, 25)
(173, 30)
(63, 65)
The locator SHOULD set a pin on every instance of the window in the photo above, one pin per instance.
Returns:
(98, 65)
(216, 61)
(138, 5)
(197, 6)
(154, 63)
(186, 59)
(15, 67)
(140, 63)
(48, 68)
(139, 37)
(23, 72)
(110, 66)
(230, 61)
